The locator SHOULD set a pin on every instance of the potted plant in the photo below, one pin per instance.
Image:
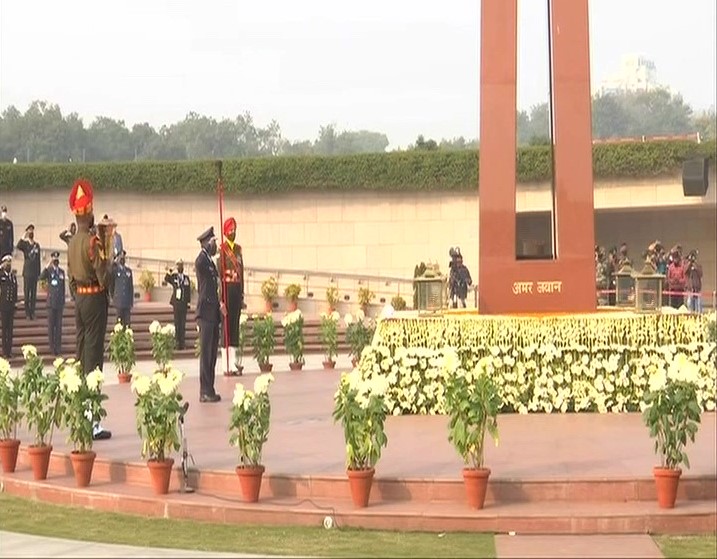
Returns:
(146, 282)
(158, 407)
(472, 404)
(249, 428)
(360, 407)
(358, 334)
(264, 341)
(269, 292)
(398, 303)
(329, 338)
(332, 298)
(10, 416)
(82, 399)
(365, 296)
(40, 398)
(292, 292)
(293, 324)
(122, 351)
(163, 343)
(672, 414)
(243, 334)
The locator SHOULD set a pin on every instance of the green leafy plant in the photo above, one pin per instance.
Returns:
(359, 332)
(365, 296)
(292, 292)
(472, 403)
(293, 324)
(163, 343)
(40, 396)
(712, 327)
(146, 280)
(243, 335)
(11, 413)
(269, 289)
(250, 420)
(672, 411)
(360, 408)
(82, 399)
(398, 303)
(264, 337)
(122, 348)
(157, 406)
(332, 297)
(329, 334)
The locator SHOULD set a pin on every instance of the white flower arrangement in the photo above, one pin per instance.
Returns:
(250, 420)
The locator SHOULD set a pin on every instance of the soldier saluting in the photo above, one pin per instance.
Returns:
(30, 269)
(180, 299)
(89, 268)
(8, 298)
(55, 278)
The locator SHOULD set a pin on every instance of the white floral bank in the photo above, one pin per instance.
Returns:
(603, 362)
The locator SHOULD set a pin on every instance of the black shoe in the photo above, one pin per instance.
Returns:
(206, 398)
(102, 435)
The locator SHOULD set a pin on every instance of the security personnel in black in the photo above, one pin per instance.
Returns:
(7, 233)
(8, 298)
(180, 299)
(54, 276)
(30, 269)
(122, 289)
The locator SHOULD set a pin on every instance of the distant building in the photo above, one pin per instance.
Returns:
(637, 73)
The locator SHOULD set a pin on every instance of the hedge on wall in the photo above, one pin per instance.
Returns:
(398, 171)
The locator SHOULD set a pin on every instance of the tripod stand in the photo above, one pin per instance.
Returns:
(185, 488)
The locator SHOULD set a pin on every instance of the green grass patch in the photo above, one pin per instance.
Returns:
(42, 519)
(694, 547)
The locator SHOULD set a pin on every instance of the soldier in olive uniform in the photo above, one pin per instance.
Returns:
(232, 270)
(55, 278)
(7, 233)
(8, 298)
(30, 269)
(180, 299)
(89, 268)
(122, 289)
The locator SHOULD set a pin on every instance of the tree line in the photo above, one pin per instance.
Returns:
(44, 134)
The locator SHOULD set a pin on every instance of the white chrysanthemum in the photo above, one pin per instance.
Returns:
(262, 382)
(140, 384)
(70, 380)
(360, 315)
(95, 380)
(658, 380)
(166, 385)
(239, 393)
(155, 327)
(248, 396)
(57, 362)
(175, 376)
(168, 330)
(683, 370)
(348, 319)
(335, 316)
(4, 366)
(29, 351)
(117, 328)
(243, 318)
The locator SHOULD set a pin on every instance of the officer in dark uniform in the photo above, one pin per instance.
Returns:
(7, 233)
(123, 289)
(209, 313)
(89, 268)
(55, 278)
(30, 269)
(180, 299)
(8, 298)
(232, 270)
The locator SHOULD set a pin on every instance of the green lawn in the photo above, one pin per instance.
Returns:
(32, 517)
(692, 547)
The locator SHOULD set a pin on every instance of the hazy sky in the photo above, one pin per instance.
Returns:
(400, 67)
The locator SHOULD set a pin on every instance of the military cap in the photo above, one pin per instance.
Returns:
(179, 261)
(3, 209)
(81, 197)
(31, 226)
(6, 258)
(208, 234)
(55, 254)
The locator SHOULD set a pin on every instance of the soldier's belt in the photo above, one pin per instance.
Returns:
(90, 290)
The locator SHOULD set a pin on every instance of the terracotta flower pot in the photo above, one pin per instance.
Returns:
(124, 378)
(147, 296)
(160, 472)
(265, 367)
(354, 361)
(476, 483)
(294, 366)
(360, 482)
(292, 306)
(666, 481)
(39, 460)
(82, 464)
(268, 306)
(8, 454)
(250, 482)
(329, 364)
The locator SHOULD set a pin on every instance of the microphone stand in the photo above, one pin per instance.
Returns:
(185, 488)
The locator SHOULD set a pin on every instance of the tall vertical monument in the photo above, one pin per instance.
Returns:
(565, 283)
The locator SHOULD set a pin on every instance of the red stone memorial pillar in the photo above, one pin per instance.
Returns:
(566, 283)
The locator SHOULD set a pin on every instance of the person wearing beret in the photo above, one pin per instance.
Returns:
(209, 313)
(54, 276)
(180, 299)
(231, 267)
(7, 233)
(89, 269)
(8, 298)
(30, 269)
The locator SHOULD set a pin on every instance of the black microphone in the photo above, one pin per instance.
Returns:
(183, 410)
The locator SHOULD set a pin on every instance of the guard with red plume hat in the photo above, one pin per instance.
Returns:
(231, 268)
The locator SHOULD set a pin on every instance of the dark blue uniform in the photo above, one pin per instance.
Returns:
(181, 297)
(208, 318)
(123, 292)
(7, 237)
(8, 298)
(55, 278)
(30, 274)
